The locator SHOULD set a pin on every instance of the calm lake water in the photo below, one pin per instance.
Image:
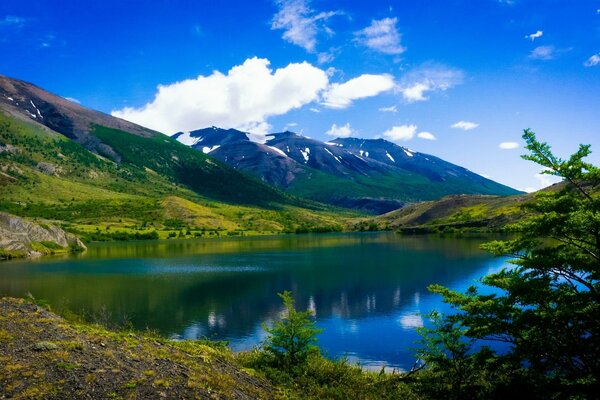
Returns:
(367, 289)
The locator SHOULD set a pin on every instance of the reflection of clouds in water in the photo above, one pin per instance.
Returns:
(312, 307)
(371, 303)
(396, 299)
(410, 321)
(347, 326)
(417, 298)
(215, 320)
(352, 326)
(193, 331)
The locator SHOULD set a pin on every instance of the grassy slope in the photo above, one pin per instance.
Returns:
(401, 185)
(159, 185)
(464, 212)
(406, 186)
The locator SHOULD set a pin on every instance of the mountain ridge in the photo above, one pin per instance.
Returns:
(91, 175)
(369, 174)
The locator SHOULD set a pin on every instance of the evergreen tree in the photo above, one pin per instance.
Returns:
(547, 307)
(291, 339)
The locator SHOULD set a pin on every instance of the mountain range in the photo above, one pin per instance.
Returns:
(99, 176)
(372, 175)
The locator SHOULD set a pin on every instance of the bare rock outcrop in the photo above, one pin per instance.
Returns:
(19, 236)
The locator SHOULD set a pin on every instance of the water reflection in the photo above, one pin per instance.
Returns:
(367, 290)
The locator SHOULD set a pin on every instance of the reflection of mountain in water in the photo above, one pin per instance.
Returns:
(228, 287)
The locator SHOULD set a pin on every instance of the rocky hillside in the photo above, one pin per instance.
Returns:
(372, 175)
(21, 238)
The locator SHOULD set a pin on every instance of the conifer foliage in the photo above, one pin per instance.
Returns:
(547, 307)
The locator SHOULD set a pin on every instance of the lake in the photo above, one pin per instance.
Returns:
(367, 289)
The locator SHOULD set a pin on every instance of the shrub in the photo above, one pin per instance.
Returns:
(292, 339)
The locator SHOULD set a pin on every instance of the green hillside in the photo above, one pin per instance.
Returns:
(159, 188)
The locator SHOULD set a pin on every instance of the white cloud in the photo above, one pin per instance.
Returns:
(341, 95)
(315, 110)
(535, 35)
(300, 23)
(543, 53)
(428, 78)
(464, 125)
(426, 136)
(325, 57)
(391, 109)
(508, 145)
(400, 133)
(243, 98)
(592, 61)
(343, 131)
(545, 180)
(381, 36)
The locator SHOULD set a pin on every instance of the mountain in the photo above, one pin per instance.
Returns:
(102, 177)
(373, 175)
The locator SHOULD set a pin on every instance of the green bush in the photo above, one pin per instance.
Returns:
(292, 339)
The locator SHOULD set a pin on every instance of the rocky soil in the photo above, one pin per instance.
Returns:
(43, 356)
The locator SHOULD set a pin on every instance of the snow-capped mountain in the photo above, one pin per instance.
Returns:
(370, 174)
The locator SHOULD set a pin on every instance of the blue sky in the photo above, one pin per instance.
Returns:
(457, 79)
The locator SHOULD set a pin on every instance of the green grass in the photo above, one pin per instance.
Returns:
(161, 187)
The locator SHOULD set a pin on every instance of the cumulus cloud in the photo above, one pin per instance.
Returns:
(381, 36)
(543, 53)
(509, 145)
(390, 109)
(592, 61)
(543, 180)
(464, 125)
(535, 35)
(428, 78)
(341, 95)
(343, 131)
(243, 98)
(400, 133)
(300, 23)
(426, 136)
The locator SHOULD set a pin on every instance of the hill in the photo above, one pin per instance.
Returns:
(372, 175)
(102, 177)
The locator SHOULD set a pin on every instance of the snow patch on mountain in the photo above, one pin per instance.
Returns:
(278, 151)
(207, 150)
(332, 155)
(305, 154)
